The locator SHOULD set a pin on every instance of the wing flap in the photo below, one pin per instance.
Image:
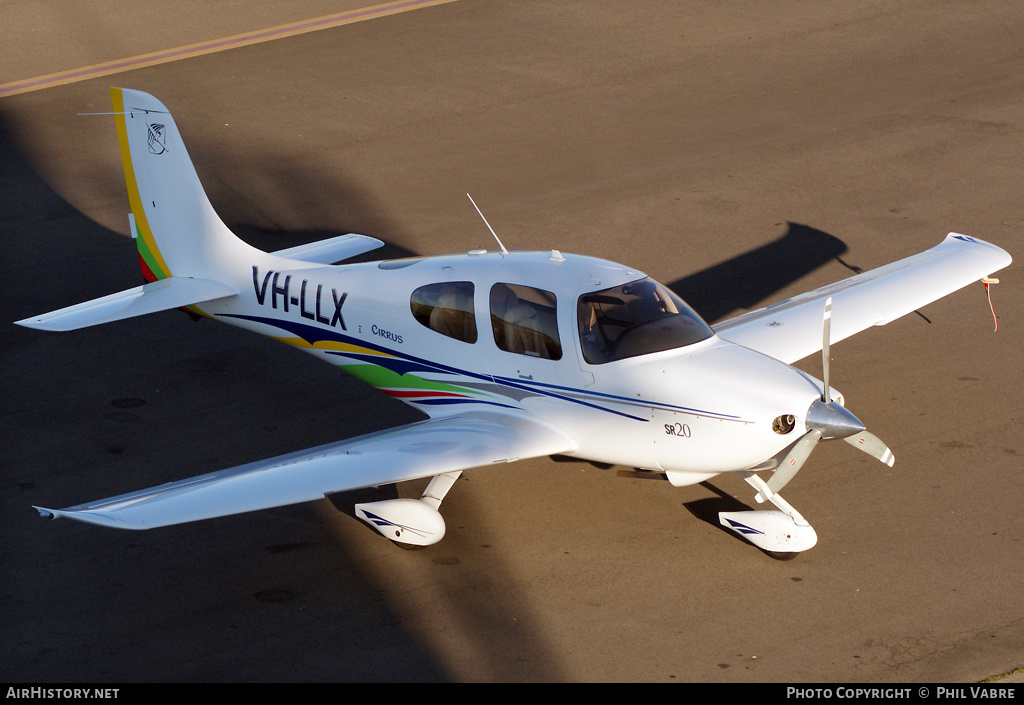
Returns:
(162, 295)
(791, 330)
(418, 450)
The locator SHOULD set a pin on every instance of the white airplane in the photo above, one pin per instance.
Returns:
(511, 355)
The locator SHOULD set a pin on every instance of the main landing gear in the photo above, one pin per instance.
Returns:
(412, 522)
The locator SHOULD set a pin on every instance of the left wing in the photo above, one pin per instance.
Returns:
(409, 452)
(792, 329)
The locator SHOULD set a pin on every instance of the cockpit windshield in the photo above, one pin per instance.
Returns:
(636, 319)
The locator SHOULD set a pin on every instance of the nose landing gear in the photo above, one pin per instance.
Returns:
(781, 533)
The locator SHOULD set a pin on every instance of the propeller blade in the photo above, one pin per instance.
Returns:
(794, 461)
(826, 342)
(870, 444)
(828, 420)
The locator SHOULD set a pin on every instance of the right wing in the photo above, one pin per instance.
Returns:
(418, 450)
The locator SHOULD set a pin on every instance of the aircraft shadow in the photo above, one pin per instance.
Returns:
(236, 400)
(707, 509)
(745, 281)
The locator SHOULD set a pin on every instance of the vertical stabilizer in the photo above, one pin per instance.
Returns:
(177, 231)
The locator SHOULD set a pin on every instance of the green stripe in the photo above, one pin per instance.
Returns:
(378, 376)
(148, 257)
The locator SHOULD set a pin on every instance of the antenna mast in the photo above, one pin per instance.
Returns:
(503, 250)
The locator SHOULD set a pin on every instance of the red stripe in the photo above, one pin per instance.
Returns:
(147, 273)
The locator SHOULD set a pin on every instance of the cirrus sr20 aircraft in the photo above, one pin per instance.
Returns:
(511, 355)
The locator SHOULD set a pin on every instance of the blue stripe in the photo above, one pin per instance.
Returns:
(402, 363)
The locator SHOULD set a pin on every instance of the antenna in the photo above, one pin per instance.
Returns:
(503, 250)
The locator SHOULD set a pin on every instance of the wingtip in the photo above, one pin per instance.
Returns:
(37, 323)
(46, 513)
(1003, 256)
(91, 517)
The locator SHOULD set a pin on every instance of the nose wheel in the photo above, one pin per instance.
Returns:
(782, 533)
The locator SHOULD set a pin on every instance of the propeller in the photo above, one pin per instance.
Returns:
(827, 420)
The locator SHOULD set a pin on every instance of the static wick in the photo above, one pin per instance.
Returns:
(503, 250)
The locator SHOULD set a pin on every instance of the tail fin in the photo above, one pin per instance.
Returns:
(175, 227)
(184, 248)
(188, 255)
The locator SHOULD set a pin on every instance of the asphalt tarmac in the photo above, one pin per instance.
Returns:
(742, 152)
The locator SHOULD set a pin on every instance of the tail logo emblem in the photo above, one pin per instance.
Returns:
(157, 139)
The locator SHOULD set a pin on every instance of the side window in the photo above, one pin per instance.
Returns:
(524, 321)
(446, 308)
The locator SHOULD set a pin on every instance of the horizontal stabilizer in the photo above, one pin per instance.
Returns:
(332, 250)
(418, 450)
(162, 295)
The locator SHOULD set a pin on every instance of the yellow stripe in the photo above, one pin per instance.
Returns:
(134, 199)
(188, 51)
(329, 345)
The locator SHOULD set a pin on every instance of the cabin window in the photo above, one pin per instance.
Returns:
(636, 319)
(446, 308)
(524, 322)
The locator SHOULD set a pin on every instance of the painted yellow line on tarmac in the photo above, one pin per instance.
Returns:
(214, 45)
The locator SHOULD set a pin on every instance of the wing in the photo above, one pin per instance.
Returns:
(418, 450)
(792, 329)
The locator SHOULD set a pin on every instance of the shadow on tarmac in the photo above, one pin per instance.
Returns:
(747, 280)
